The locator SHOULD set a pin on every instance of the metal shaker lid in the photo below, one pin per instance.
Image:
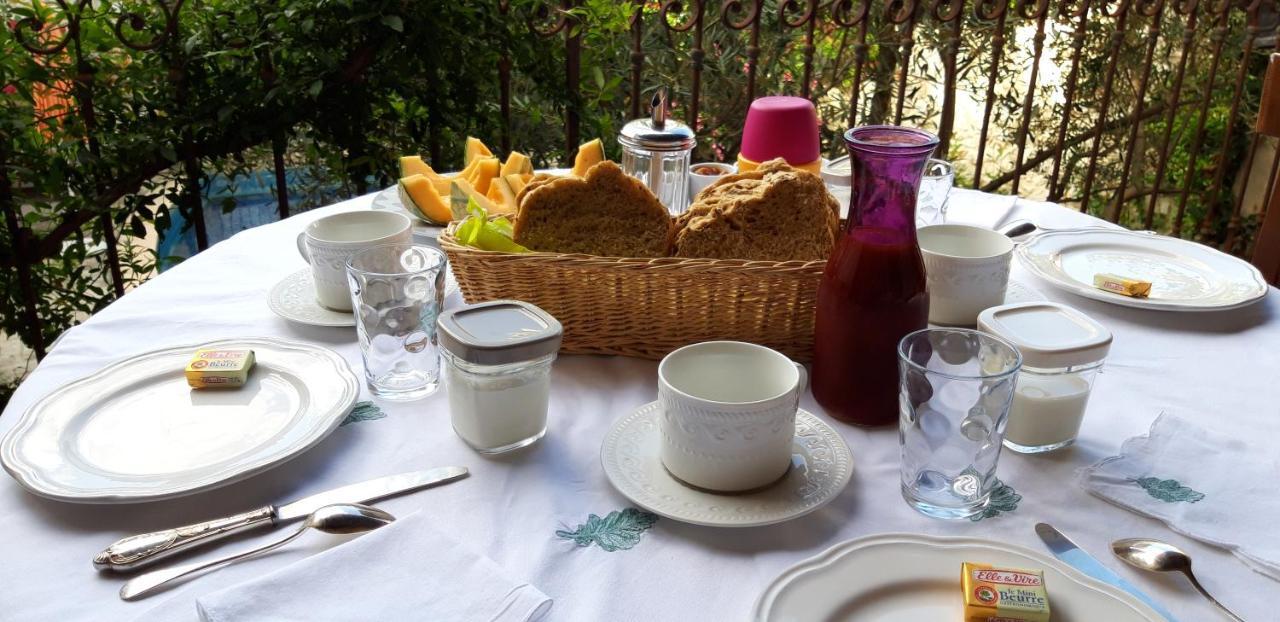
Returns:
(657, 133)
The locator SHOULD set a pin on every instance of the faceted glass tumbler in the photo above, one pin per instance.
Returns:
(955, 389)
(397, 290)
(935, 191)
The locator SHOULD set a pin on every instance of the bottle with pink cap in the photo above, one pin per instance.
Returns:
(780, 126)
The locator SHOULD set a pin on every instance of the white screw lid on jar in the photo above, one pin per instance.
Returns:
(1049, 335)
(499, 332)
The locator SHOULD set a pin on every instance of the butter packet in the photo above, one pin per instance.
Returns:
(214, 368)
(1125, 286)
(1005, 594)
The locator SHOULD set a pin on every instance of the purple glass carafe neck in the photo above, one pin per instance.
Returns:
(887, 163)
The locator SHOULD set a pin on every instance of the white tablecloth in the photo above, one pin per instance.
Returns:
(1218, 369)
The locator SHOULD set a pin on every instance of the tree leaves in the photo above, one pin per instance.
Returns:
(393, 22)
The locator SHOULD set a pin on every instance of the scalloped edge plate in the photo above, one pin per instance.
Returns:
(821, 467)
(883, 571)
(45, 450)
(1195, 277)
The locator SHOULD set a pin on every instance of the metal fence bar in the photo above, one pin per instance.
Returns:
(637, 57)
(23, 257)
(988, 10)
(949, 12)
(1056, 186)
(1152, 10)
(1251, 35)
(697, 56)
(905, 19)
(1187, 9)
(1039, 12)
(1116, 40)
(1223, 10)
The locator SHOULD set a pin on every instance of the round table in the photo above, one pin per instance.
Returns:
(1218, 370)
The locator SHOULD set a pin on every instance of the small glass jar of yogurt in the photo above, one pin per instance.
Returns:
(497, 372)
(1062, 352)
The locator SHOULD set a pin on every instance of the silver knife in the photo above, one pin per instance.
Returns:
(1067, 551)
(137, 551)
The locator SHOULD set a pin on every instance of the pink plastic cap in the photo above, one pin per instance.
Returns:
(781, 126)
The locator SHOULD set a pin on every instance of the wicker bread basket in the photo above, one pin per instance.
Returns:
(648, 307)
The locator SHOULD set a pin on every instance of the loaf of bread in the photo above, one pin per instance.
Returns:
(773, 213)
(606, 213)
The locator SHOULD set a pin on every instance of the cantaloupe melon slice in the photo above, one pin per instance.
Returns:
(485, 172)
(469, 171)
(517, 163)
(515, 181)
(418, 194)
(475, 149)
(506, 195)
(460, 191)
(415, 165)
(590, 154)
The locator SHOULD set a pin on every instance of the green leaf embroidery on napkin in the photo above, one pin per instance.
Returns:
(1004, 499)
(1168, 490)
(363, 411)
(620, 530)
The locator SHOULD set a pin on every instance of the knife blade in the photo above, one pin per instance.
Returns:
(141, 550)
(1064, 549)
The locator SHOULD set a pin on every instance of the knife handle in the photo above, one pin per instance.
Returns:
(135, 552)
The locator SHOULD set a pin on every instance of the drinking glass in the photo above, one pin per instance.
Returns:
(397, 290)
(935, 190)
(954, 392)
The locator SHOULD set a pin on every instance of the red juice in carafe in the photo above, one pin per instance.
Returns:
(872, 294)
(873, 288)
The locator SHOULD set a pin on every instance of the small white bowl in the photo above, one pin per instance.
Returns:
(698, 182)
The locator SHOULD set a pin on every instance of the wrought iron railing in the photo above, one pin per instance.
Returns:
(1137, 110)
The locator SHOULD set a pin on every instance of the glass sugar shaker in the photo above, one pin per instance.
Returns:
(657, 151)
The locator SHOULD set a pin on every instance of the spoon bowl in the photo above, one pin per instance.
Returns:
(1156, 556)
(340, 519)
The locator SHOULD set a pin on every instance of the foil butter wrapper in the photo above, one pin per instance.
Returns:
(1125, 286)
(994, 594)
(213, 368)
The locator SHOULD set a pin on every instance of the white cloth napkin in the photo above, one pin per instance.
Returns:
(405, 571)
(1205, 485)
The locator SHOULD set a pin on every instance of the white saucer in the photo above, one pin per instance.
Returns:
(294, 299)
(820, 468)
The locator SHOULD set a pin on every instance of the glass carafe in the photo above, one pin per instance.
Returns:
(873, 289)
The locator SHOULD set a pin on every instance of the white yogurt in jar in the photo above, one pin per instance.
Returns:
(494, 411)
(1047, 410)
(497, 372)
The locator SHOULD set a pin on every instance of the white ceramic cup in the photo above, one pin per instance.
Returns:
(328, 243)
(967, 270)
(728, 414)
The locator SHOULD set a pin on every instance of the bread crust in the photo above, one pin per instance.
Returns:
(774, 213)
(605, 213)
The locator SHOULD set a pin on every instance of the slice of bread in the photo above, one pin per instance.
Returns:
(606, 213)
(773, 213)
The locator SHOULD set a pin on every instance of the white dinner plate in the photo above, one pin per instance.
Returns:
(294, 299)
(820, 468)
(902, 577)
(424, 232)
(1184, 276)
(134, 431)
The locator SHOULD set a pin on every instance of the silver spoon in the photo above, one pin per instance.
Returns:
(1157, 556)
(342, 518)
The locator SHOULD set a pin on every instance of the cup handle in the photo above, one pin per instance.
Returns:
(804, 377)
(302, 246)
